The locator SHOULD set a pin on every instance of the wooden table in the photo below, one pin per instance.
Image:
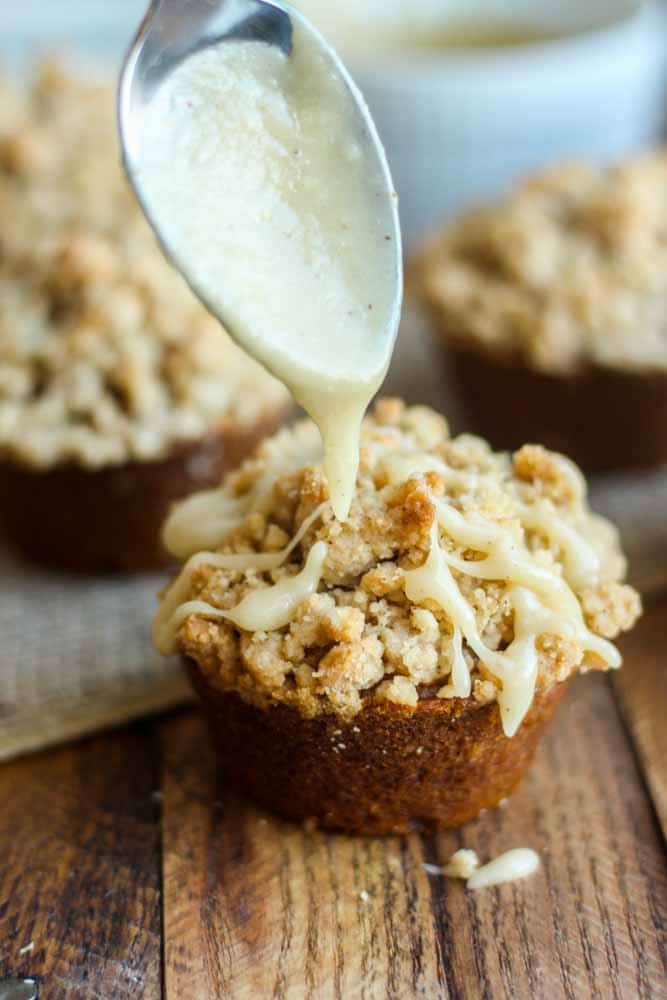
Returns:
(126, 870)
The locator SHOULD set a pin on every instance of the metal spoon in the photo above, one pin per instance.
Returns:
(172, 30)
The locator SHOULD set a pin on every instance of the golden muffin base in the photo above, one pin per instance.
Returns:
(603, 419)
(388, 771)
(110, 519)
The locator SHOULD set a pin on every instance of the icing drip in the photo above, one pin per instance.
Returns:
(541, 601)
(434, 582)
(508, 867)
(400, 467)
(509, 560)
(460, 686)
(581, 563)
(172, 611)
(261, 610)
(515, 864)
(204, 520)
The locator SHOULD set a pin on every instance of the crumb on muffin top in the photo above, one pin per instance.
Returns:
(105, 354)
(569, 270)
(365, 624)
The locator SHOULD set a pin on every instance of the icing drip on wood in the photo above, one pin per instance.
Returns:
(515, 864)
(508, 867)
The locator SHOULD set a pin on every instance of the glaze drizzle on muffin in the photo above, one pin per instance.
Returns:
(460, 571)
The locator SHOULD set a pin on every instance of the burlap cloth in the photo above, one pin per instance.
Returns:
(75, 653)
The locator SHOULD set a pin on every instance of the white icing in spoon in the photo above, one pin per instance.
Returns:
(267, 183)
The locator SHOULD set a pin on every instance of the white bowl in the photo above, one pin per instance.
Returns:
(460, 124)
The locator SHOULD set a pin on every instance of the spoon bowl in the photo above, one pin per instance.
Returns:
(258, 165)
(172, 31)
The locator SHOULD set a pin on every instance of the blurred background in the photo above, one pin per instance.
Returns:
(467, 96)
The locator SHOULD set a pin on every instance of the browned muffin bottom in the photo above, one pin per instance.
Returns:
(552, 307)
(110, 519)
(389, 771)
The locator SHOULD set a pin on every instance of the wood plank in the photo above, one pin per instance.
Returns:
(254, 907)
(640, 689)
(79, 869)
(592, 923)
(257, 908)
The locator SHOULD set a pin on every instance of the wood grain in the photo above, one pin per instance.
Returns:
(592, 923)
(642, 695)
(254, 907)
(258, 908)
(79, 870)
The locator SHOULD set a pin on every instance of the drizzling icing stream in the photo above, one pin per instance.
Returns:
(270, 193)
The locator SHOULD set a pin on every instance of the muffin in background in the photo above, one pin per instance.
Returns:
(397, 670)
(552, 309)
(119, 393)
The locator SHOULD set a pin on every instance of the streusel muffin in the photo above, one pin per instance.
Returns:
(118, 392)
(396, 670)
(553, 308)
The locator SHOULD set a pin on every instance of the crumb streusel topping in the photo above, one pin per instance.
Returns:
(527, 576)
(105, 354)
(570, 270)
